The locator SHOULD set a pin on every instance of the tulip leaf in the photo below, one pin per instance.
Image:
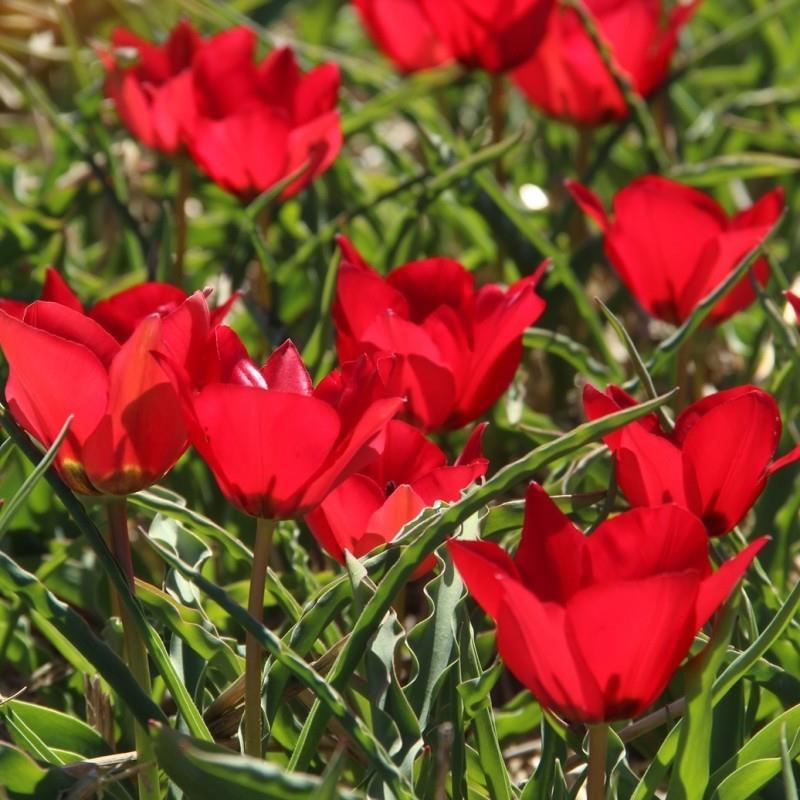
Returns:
(16, 582)
(21, 495)
(54, 729)
(23, 777)
(205, 771)
(574, 353)
(98, 544)
(283, 654)
(691, 769)
(731, 167)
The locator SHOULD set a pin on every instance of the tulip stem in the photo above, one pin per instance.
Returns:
(180, 221)
(497, 113)
(253, 663)
(598, 751)
(135, 650)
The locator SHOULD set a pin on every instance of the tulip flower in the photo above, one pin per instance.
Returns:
(121, 313)
(151, 86)
(715, 462)
(566, 77)
(127, 429)
(409, 474)
(276, 445)
(247, 125)
(672, 245)
(457, 347)
(494, 35)
(596, 626)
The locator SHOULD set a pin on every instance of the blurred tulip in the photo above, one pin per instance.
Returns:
(121, 313)
(151, 85)
(715, 462)
(566, 77)
(596, 626)
(495, 35)
(276, 445)
(672, 245)
(458, 348)
(247, 125)
(409, 474)
(127, 430)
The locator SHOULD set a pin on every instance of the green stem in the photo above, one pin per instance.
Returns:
(253, 661)
(180, 221)
(135, 650)
(497, 113)
(598, 750)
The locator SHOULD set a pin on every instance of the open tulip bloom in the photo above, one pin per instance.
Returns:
(247, 125)
(457, 347)
(566, 77)
(715, 462)
(408, 474)
(673, 245)
(596, 626)
(127, 429)
(494, 35)
(276, 445)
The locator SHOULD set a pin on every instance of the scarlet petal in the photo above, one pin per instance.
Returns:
(406, 455)
(49, 379)
(402, 31)
(74, 326)
(539, 649)
(433, 282)
(286, 372)
(317, 93)
(632, 663)
(316, 143)
(142, 433)
(57, 290)
(263, 446)
(717, 587)
(589, 203)
(400, 507)
(727, 453)
(648, 541)
(473, 448)
(482, 566)
(548, 537)
(122, 312)
(338, 522)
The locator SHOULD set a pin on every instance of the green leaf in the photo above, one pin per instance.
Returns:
(56, 729)
(741, 166)
(23, 777)
(205, 771)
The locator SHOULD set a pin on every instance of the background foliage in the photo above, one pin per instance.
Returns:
(374, 687)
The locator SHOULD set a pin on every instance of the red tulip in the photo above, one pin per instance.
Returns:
(153, 95)
(566, 77)
(457, 347)
(247, 125)
(715, 462)
(672, 245)
(409, 473)
(121, 313)
(276, 445)
(596, 626)
(403, 32)
(127, 429)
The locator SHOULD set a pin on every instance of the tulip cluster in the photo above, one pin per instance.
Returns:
(424, 352)
(247, 125)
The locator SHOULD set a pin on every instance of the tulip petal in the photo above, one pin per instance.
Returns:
(647, 541)
(316, 143)
(726, 455)
(717, 587)
(632, 661)
(122, 312)
(539, 649)
(142, 433)
(430, 283)
(482, 566)
(49, 379)
(400, 507)
(286, 372)
(74, 326)
(549, 537)
(57, 290)
(589, 203)
(264, 446)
